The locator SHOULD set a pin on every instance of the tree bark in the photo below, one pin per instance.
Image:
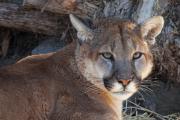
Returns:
(11, 16)
(144, 10)
(118, 8)
(78, 7)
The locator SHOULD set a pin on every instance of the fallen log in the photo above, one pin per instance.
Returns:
(12, 16)
(77, 7)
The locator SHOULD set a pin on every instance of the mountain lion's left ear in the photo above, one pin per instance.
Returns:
(151, 28)
(84, 33)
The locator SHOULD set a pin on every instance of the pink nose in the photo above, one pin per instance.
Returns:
(124, 82)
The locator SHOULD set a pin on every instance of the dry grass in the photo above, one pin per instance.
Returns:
(144, 116)
(148, 114)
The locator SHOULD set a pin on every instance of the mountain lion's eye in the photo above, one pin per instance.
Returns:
(137, 55)
(107, 55)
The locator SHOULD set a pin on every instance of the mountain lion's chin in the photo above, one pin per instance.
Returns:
(122, 95)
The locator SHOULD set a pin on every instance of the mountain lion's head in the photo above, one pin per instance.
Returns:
(115, 56)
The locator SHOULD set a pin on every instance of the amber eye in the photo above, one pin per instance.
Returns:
(137, 55)
(107, 55)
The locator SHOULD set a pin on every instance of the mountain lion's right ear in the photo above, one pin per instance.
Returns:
(151, 28)
(84, 33)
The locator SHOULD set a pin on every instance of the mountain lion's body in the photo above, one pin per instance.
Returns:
(80, 85)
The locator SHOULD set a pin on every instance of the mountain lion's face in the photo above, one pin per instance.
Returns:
(115, 57)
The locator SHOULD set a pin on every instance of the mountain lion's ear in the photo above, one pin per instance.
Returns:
(83, 32)
(151, 28)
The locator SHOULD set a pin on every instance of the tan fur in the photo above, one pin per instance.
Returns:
(67, 85)
(49, 87)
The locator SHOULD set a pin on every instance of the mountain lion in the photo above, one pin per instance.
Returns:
(86, 80)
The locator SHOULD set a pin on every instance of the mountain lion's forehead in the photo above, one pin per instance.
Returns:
(110, 30)
(114, 24)
(118, 36)
(118, 32)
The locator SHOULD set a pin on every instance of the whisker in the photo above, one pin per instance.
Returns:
(149, 89)
(151, 83)
(144, 91)
(90, 90)
(95, 78)
(93, 85)
(141, 95)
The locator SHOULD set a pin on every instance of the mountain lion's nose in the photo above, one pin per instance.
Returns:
(124, 82)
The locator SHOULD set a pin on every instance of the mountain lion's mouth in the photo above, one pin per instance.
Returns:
(121, 93)
(118, 90)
